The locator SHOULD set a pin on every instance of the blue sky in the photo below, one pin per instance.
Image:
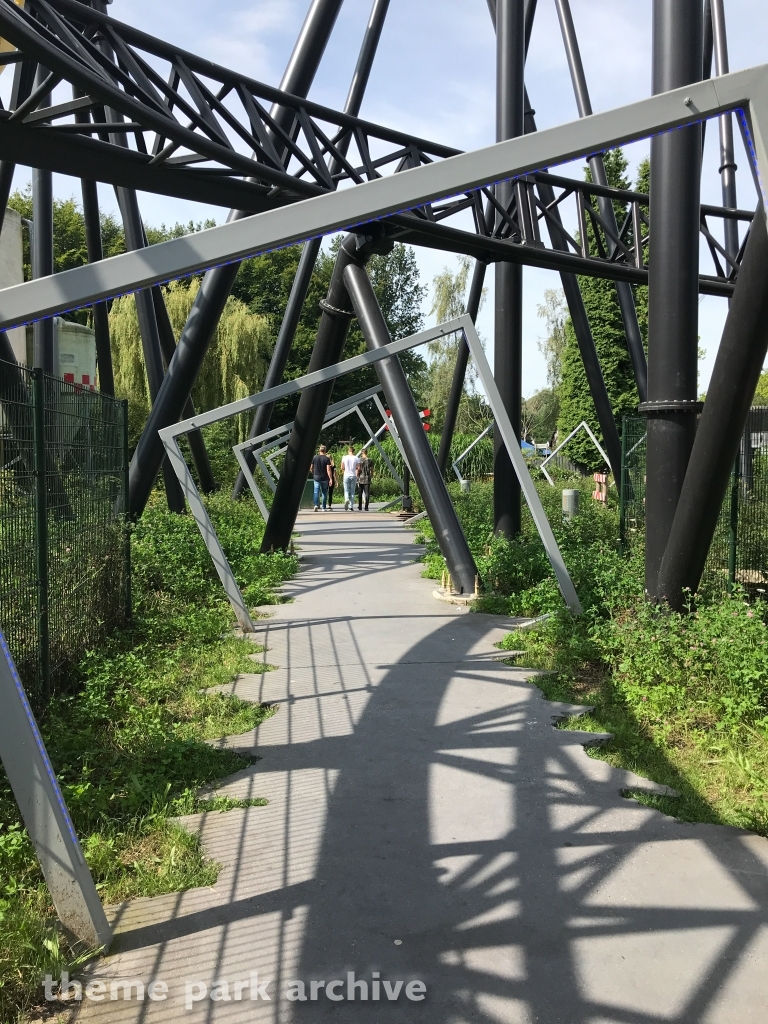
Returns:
(434, 76)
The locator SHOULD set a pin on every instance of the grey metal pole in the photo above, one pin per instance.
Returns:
(460, 370)
(673, 282)
(740, 358)
(429, 479)
(311, 250)
(45, 813)
(508, 327)
(597, 167)
(310, 415)
(42, 250)
(217, 284)
(728, 166)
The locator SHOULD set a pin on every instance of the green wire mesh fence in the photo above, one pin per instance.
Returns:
(739, 551)
(64, 546)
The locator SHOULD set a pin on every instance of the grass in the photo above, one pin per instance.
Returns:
(722, 778)
(685, 696)
(130, 736)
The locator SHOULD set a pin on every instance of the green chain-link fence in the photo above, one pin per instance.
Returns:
(64, 546)
(739, 552)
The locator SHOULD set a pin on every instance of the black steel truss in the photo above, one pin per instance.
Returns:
(152, 117)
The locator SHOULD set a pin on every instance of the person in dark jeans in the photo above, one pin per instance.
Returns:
(321, 476)
(364, 476)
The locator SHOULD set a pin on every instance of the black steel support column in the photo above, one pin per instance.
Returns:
(42, 250)
(429, 479)
(100, 310)
(508, 332)
(217, 284)
(150, 334)
(597, 167)
(740, 358)
(308, 422)
(475, 295)
(673, 282)
(93, 241)
(460, 370)
(311, 250)
(194, 437)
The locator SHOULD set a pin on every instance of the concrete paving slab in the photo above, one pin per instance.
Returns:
(428, 827)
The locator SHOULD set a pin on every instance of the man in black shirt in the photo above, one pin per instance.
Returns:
(364, 475)
(321, 475)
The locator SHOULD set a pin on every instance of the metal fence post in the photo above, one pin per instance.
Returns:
(41, 530)
(126, 516)
(733, 525)
(623, 487)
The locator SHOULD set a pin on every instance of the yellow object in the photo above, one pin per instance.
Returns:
(5, 46)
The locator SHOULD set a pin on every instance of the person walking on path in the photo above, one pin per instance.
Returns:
(320, 468)
(349, 464)
(332, 483)
(364, 475)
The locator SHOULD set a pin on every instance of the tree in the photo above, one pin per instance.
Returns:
(542, 409)
(448, 303)
(233, 368)
(761, 394)
(605, 320)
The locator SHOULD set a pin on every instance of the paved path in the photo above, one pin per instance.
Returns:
(426, 823)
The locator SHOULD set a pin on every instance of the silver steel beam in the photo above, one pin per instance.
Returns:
(464, 323)
(457, 462)
(45, 813)
(746, 91)
(504, 426)
(585, 426)
(276, 436)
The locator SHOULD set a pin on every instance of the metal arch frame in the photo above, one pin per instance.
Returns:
(170, 435)
(374, 440)
(45, 814)
(742, 91)
(258, 445)
(585, 426)
(457, 462)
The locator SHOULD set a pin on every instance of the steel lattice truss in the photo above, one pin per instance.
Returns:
(164, 120)
(149, 116)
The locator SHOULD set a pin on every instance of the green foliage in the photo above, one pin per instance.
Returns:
(685, 696)
(604, 315)
(233, 368)
(130, 740)
(712, 664)
(447, 304)
(761, 394)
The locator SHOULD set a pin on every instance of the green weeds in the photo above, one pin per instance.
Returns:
(129, 738)
(685, 696)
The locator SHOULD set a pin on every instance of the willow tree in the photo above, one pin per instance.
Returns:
(233, 368)
(448, 303)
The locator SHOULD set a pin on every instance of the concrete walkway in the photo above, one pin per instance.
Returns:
(428, 824)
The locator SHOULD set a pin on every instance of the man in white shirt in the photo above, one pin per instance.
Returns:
(349, 465)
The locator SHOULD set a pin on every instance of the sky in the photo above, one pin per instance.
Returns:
(434, 76)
